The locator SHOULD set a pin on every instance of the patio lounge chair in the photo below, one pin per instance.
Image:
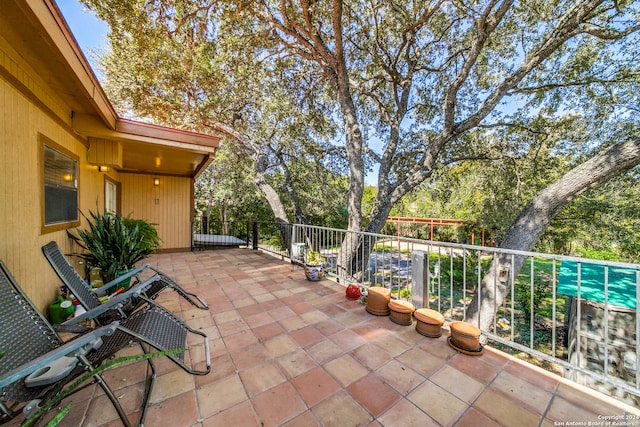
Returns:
(89, 297)
(31, 344)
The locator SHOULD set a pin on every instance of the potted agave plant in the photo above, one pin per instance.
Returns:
(314, 266)
(114, 244)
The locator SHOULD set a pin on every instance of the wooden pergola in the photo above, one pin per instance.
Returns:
(432, 222)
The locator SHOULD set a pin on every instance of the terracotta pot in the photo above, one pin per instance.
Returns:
(378, 301)
(465, 336)
(401, 312)
(353, 291)
(429, 322)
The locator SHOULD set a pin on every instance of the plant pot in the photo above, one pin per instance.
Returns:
(314, 273)
(465, 337)
(429, 322)
(378, 301)
(401, 312)
(125, 283)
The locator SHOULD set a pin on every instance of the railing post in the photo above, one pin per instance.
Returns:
(419, 278)
(255, 235)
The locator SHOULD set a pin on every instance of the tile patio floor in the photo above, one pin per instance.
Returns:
(288, 352)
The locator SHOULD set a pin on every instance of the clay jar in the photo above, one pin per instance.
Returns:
(401, 312)
(429, 322)
(378, 301)
(465, 336)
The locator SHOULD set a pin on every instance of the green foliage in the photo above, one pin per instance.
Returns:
(403, 98)
(314, 258)
(148, 231)
(112, 243)
(58, 397)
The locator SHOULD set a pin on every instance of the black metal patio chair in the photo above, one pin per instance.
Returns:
(89, 298)
(36, 363)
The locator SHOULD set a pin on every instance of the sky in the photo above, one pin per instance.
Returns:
(90, 32)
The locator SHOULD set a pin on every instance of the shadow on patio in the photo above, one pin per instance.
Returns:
(290, 352)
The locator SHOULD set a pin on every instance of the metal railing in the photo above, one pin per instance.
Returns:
(214, 234)
(556, 308)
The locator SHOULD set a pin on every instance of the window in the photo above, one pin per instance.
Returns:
(60, 187)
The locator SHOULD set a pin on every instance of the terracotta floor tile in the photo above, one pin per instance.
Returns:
(391, 344)
(296, 363)
(473, 418)
(280, 345)
(250, 356)
(227, 316)
(475, 367)
(171, 384)
(504, 410)
(231, 328)
(240, 340)
(315, 385)
(220, 395)
(399, 376)
(278, 405)
(314, 316)
(532, 374)
(307, 336)
(267, 331)
(347, 340)
(409, 335)
(324, 351)
(438, 347)
(421, 361)
(586, 398)
(537, 399)
(368, 331)
(328, 327)
(178, 411)
(350, 318)
(221, 367)
(373, 394)
(371, 356)
(562, 410)
(292, 323)
(262, 377)
(406, 414)
(241, 414)
(307, 419)
(441, 405)
(341, 410)
(258, 319)
(301, 307)
(281, 313)
(346, 369)
(458, 383)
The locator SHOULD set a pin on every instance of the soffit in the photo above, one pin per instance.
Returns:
(37, 31)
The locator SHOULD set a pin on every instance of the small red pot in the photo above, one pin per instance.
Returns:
(353, 291)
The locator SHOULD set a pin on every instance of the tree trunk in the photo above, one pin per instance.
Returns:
(534, 219)
(252, 150)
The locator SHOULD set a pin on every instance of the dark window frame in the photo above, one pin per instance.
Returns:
(54, 188)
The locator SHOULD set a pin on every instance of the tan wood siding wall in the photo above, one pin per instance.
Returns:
(28, 109)
(167, 206)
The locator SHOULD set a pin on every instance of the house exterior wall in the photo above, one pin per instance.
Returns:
(167, 206)
(30, 110)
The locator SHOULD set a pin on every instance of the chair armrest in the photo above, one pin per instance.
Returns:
(78, 346)
(120, 279)
(114, 303)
